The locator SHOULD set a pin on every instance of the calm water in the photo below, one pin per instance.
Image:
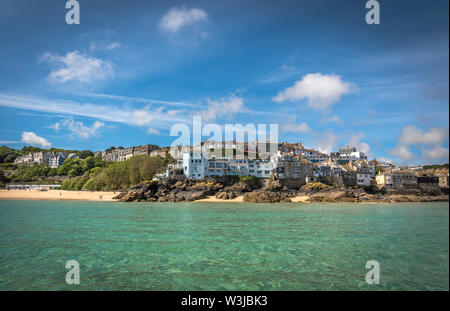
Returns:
(201, 246)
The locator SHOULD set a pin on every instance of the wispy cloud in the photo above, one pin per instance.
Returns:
(104, 45)
(334, 119)
(178, 18)
(78, 128)
(111, 113)
(153, 131)
(75, 66)
(139, 99)
(227, 106)
(282, 73)
(297, 128)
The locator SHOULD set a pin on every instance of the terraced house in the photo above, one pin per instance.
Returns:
(121, 154)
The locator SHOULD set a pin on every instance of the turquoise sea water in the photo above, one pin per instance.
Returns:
(204, 246)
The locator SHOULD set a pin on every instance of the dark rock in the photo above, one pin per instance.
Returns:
(264, 196)
(226, 195)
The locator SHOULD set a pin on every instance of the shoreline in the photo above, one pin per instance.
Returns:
(107, 196)
(58, 195)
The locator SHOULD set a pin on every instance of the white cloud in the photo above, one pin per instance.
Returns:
(402, 151)
(223, 107)
(300, 128)
(321, 91)
(435, 153)
(76, 66)
(430, 143)
(78, 128)
(412, 135)
(355, 141)
(32, 139)
(326, 141)
(177, 18)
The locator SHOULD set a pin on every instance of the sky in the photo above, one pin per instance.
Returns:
(132, 69)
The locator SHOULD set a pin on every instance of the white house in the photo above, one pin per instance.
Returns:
(217, 167)
(56, 160)
(260, 168)
(194, 165)
(238, 167)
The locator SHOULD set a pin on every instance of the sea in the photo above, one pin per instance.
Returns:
(223, 246)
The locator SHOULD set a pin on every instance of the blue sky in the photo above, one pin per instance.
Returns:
(132, 69)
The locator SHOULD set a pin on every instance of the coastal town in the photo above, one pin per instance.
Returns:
(290, 164)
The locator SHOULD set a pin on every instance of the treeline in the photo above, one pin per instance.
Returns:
(70, 168)
(119, 175)
(85, 173)
(90, 174)
(45, 174)
(8, 155)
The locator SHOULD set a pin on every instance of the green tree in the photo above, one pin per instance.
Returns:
(71, 164)
(85, 154)
(8, 155)
(89, 163)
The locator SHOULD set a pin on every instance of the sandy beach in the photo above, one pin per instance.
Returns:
(56, 195)
(212, 199)
(97, 196)
(300, 198)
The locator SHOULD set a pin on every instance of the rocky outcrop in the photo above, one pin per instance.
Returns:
(178, 191)
(226, 195)
(322, 193)
(238, 189)
(270, 194)
(334, 196)
(265, 197)
(157, 191)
